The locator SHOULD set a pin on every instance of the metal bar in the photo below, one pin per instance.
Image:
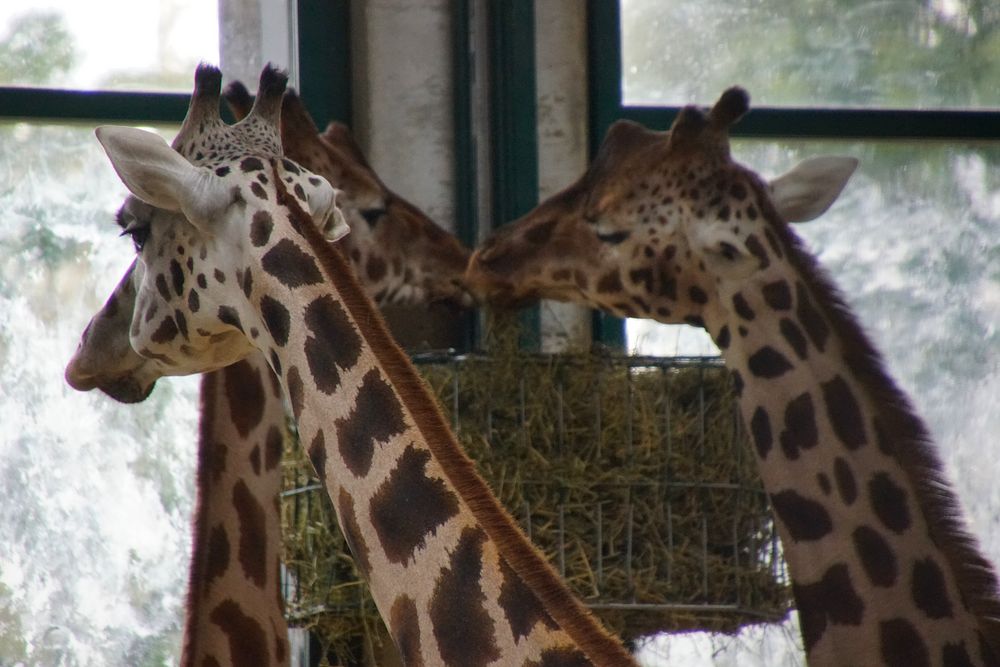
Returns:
(49, 104)
(844, 124)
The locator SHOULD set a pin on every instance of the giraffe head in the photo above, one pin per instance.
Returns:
(191, 206)
(654, 223)
(401, 256)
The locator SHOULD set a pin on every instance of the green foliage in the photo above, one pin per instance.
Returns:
(37, 47)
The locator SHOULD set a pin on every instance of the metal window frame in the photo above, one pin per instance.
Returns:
(607, 106)
(322, 38)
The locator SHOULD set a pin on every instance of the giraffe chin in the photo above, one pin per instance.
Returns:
(127, 389)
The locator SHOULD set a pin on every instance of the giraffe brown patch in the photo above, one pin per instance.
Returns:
(768, 363)
(738, 382)
(275, 362)
(376, 268)
(889, 503)
(743, 308)
(228, 315)
(247, 639)
(290, 166)
(800, 426)
(462, 627)
(806, 520)
(955, 655)
(255, 459)
(166, 332)
(410, 505)
(317, 455)
(276, 318)
(760, 428)
(778, 295)
(562, 275)
(844, 412)
(245, 396)
(756, 249)
(261, 226)
(280, 645)
(258, 190)
(202, 281)
(877, 557)
(249, 164)
(161, 287)
(290, 265)
(253, 534)
(794, 337)
(352, 533)
(723, 338)
(404, 623)
(642, 277)
(376, 416)
(824, 483)
(560, 656)
(220, 277)
(247, 282)
(697, 295)
(883, 439)
(610, 283)
(177, 277)
(295, 390)
(222, 171)
(901, 644)
(772, 241)
(930, 593)
(181, 321)
(520, 605)
(194, 302)
(811, 319)
(831, 600)
(334, 343)
(273, 448)
(217, 560)
(846, 484)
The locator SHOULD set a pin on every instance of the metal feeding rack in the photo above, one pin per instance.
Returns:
(632, 474)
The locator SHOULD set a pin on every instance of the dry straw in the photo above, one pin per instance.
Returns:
(631, 474)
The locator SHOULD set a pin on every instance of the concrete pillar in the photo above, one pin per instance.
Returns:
(561, 81)
(252, 33)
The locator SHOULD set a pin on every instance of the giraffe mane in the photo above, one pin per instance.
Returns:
(516, 549)
(911, 442)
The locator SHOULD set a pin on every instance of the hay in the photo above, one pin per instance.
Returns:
(632, 475)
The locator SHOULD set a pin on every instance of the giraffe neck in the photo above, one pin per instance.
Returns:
(235, 609)
(456, 581)
(882, 567)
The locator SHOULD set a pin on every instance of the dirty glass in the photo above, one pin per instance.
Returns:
(890, 53)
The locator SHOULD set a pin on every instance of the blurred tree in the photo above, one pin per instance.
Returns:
(37, 46)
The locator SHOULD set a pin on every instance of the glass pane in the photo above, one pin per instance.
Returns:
(895, 53)
(97, 495)
(914, 244)
(107, 44)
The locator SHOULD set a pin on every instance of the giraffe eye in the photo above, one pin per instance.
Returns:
(372, 215)
(139, 234)
(613, 238)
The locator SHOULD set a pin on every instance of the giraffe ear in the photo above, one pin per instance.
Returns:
(811, 187)
(160, 176)
(322, 200)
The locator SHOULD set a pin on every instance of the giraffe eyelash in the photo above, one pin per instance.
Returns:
(139, 233)
(614, 238)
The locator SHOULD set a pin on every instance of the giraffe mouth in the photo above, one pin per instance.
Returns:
(126, 389)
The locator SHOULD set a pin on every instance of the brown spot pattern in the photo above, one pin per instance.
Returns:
(273, 448)
(462, 627)
(277, 319)
(794, 337)
(253, 534)
(295, 390)
(800, 430)
(806, 520)
(409, 505)
(290, 265)
(889, 503)
(520, 605)
(832, 599)
(901, 645)
(217, 560)
(811, 319)
(768, 363)
(377, 416)
(778, 295)
(352, 533)
(261, 226)
(760, 428)
(247, 640)
(929, 590)
(405, 624)
(847, 486)
(877, 557)
(844, 412)
(245, 396)
(334, 342)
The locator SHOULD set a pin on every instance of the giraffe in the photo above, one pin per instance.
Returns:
(668, 226)
(241, 238)
(240, 439)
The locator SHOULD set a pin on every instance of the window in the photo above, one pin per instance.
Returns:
(909, 89)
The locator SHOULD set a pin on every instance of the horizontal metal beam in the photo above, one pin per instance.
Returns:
(48, 104)
(845, 124)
